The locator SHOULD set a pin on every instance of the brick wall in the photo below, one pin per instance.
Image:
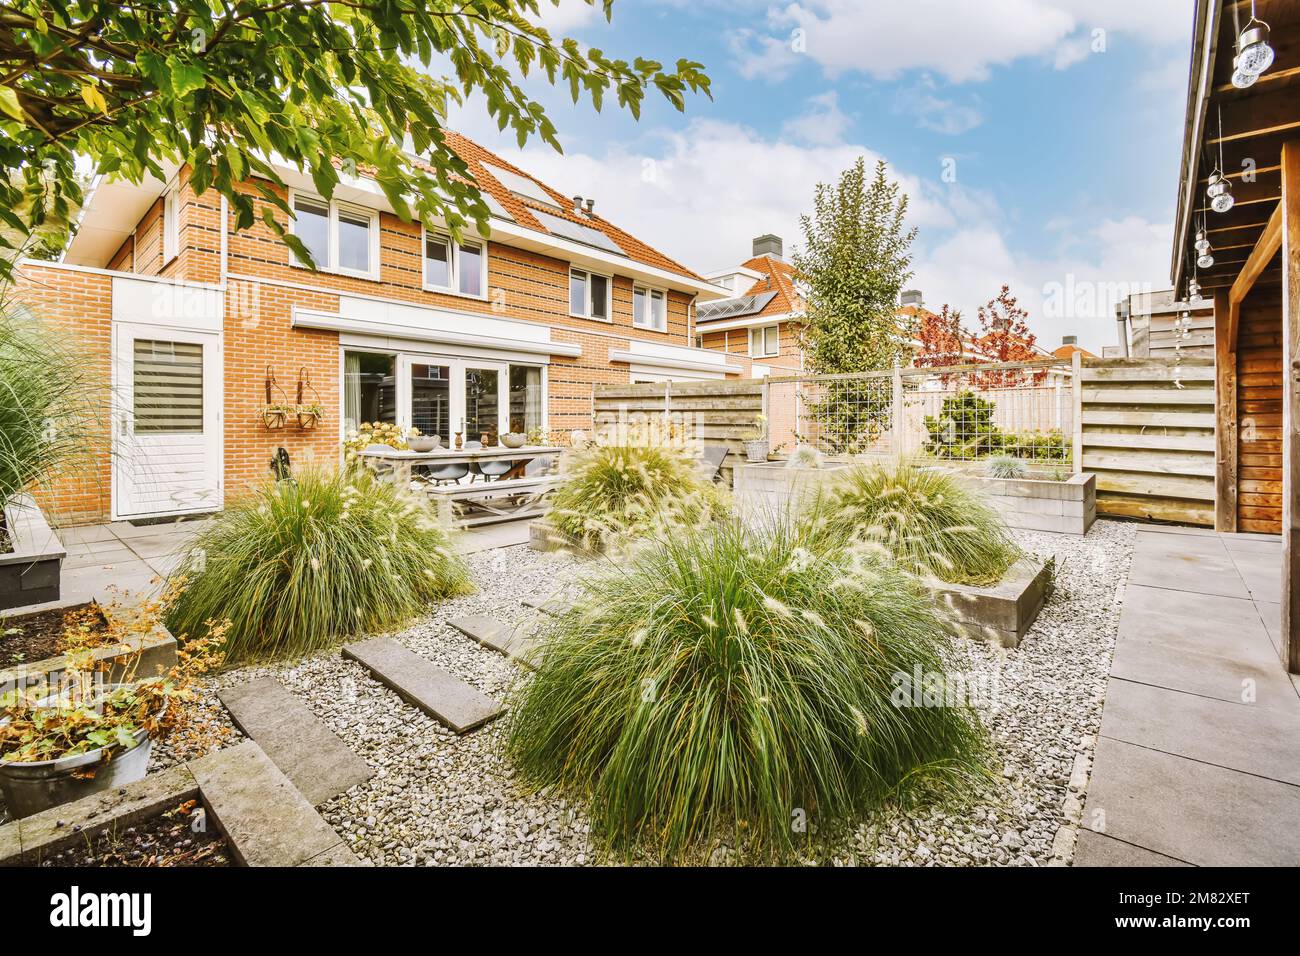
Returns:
(77, 307)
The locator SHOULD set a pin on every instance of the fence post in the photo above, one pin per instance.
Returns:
(1076, 374)
(896, 412)
(1058, 403)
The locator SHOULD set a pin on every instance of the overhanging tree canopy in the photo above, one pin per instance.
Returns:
(225, 85)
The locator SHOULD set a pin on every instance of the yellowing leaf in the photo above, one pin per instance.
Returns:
(9, 103)
(94, 99)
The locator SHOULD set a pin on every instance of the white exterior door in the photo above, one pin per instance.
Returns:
(442, 396)
(167, 428)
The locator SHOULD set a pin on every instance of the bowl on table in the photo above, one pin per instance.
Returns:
(514, 440)
(424, 443)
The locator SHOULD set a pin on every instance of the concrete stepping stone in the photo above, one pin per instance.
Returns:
(310, 754)
(265, 819)
(551, 604)
(440, 695)
(516, 641)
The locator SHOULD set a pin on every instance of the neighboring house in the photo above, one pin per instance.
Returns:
(193, 323)
(760, 318)
(1068, 347)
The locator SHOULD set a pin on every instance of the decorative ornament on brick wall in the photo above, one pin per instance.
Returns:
(309, 409)
(275, 413)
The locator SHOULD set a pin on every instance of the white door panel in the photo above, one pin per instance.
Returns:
(167, 433)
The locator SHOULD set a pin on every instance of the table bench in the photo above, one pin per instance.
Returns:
(484, 502)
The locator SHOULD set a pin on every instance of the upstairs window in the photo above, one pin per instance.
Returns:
(765, 342)
(589, 295)
(649, 309)
(454, 267)
(339, 236)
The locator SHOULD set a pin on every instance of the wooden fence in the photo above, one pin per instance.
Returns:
(1146, 428)
(714, 412)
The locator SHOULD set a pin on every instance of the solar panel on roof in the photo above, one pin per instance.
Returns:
(559, 226)
(521, 186)
(495, 207)
(731, 308)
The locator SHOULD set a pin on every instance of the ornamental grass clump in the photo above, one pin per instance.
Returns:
(932, 521)
(731, 684)
(624, 491)
(303, 563)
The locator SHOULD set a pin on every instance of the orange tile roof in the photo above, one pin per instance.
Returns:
(1067, 351)
(521, 210)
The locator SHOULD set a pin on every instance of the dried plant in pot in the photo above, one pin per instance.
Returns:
(309, 416)
(63, 741)
(276, 417)
(759, 446)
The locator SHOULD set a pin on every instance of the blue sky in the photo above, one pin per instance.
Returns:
(1061, 119)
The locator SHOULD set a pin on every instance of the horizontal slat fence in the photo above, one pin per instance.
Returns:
(714, 412)
(1146, 429)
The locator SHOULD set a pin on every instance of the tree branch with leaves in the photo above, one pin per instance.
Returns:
(228, 87)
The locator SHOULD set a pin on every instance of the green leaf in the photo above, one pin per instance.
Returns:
(186, 77)
(9, 103)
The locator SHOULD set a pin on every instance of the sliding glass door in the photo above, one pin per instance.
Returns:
(484, 417)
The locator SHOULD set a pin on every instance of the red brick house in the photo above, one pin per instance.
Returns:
(760, 318)
(188, 321)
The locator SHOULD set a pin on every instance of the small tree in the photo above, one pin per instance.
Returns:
(941, 340)
(1005, 337)
(855, 259)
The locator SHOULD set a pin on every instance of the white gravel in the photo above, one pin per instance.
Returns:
(437, 798)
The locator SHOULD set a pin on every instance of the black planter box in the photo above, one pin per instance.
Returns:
(29, 573)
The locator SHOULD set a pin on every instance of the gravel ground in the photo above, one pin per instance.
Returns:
(441, 799)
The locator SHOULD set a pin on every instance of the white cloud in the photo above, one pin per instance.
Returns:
(961, 42)
(568, 15)
(822, 122)
(937, 113)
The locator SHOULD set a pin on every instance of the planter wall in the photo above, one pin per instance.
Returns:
(773, 485)
(29, 573)
(156, 653)
(1001, 612)
(1067, 507)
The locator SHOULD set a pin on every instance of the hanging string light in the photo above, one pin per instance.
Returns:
(1254, 55)
(1204, 251)
(1219, 189)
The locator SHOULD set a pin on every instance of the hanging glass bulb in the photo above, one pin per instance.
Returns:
(1204, 261)
(1256, 55)
(1220, 192)
(1202, 244)
(1193, 291)
(1240, 78)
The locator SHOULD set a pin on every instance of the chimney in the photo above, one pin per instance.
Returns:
(591, 206)
(1122, 312)
(1069, 340)
(769, 245)
(911, 297)
(577, 204)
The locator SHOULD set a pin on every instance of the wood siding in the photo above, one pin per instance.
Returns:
(1259, 412)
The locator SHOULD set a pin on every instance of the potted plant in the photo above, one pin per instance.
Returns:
(758, 447)
(62, 743)
(537, 436)
(309, 415)
(275, 416)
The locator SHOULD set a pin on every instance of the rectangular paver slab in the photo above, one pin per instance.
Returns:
(515, 641)
(550, 604)
(311, 755)
(1096, 849)
(264, 817)
(1192, 811)
(440, 695)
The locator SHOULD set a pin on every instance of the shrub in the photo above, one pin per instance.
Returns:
(45, 416)
(1004, 466)
(964, 428)
(375, 433)
(302, 563)
(805, 456)
(1036, 446)
(626, 490)
(932, 521)
(724, 679)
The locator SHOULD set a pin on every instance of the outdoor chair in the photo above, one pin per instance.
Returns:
(711, 461)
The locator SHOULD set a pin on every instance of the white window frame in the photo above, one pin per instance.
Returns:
(171, 226)
(332, 235)
(758, 341)
(609, 295)
(650, 292)
(453, 265)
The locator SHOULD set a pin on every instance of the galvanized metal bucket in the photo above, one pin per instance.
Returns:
(32, 787)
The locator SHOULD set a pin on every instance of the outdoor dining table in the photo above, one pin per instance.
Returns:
(478, 501)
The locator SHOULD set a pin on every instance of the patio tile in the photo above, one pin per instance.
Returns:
(1192, 811)
(1271, 614)
(311, 755)
(1185, 571)
(1207, 545)
(157, 545)
(515, 641)
(504, 535)
(1097, 849)
(1204, 729)
(1177, 529)
(81, 534)
(96, 554)
(1193, 672)
(132, 578)
(1262, 574)
(1237, 543)
(417, 681)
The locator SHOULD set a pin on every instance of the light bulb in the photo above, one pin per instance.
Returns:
(1220, 192)
(1202, 244)
(1240, 78)
(1256, 55)
(1204, 261)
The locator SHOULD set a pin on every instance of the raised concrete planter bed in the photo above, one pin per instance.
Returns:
(265, 820)
(1004, 611)
(1035, 504)
(30, 570)
(773, 484)
(147, 654)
